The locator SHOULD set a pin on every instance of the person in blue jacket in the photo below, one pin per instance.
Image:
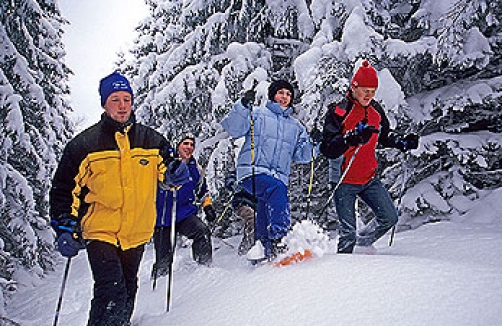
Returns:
(271, 143)
(187, 221)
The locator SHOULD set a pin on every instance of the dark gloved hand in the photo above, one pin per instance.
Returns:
(361, 134)
(248, 98)
(66, 223)
(408, 142)
(210, 213)
(69, 246)
(177, 174)
(69, 235)
(168, 154)
(316, 135)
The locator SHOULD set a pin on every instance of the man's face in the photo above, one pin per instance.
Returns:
(119, 106)
(283, 97)
(363, 95)
(185, 149)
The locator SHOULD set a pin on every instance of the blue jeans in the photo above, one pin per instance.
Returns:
(377, 198)
(272, 211)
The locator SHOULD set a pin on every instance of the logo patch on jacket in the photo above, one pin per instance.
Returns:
(144, 161)
(339, 111)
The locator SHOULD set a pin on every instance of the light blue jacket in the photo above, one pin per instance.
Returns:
(279, 139)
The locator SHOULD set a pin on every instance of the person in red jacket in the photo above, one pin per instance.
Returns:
(353, 128)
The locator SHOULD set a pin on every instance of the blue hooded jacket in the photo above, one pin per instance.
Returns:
(194, 189)
(279, 139)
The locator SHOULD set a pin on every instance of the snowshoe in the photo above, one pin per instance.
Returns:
(295, 258)
(260, 253)
(256, 254)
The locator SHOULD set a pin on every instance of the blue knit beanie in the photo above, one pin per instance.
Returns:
(113, 83)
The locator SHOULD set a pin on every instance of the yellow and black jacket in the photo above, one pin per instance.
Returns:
(107, 179)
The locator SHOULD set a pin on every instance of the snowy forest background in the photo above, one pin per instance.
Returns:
(440, 70)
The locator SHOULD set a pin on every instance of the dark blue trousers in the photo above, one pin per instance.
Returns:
(115, 274)
(272, 213)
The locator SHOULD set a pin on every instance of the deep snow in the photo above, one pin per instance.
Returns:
(447, 273)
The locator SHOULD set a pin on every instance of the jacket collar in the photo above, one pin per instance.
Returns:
(192, 161)
(276, 108)
(112, 126)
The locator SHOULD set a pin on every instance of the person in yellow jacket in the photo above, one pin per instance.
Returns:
(103, 198)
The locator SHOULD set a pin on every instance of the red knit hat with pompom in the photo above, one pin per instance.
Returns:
(366, 76)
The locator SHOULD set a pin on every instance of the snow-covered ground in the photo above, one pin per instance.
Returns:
(447, 273)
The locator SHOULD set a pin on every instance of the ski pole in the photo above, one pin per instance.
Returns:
(173, 246)
(253, 163)
(161, 236)
(155, 272)
(61, 292)
(227, 205)
(221, 217)
(342, 177)
(311, 180)
(400, 198)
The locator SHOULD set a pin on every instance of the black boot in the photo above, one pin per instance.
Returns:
(160, 269)
(278, 247)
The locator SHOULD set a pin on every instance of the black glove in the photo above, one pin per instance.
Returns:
(69, 235)
(408, 142)
(66, 223)
(248, 98)
(168, 154)
(316, 135)
(177, 174)
(361, 134)
(210, 213)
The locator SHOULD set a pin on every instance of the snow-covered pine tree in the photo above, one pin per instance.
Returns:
(35, 125)
(438, 62)
(426, 87)
(461, 77)
(193, 59)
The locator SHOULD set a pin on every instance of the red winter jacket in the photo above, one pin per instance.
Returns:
(344, 116)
